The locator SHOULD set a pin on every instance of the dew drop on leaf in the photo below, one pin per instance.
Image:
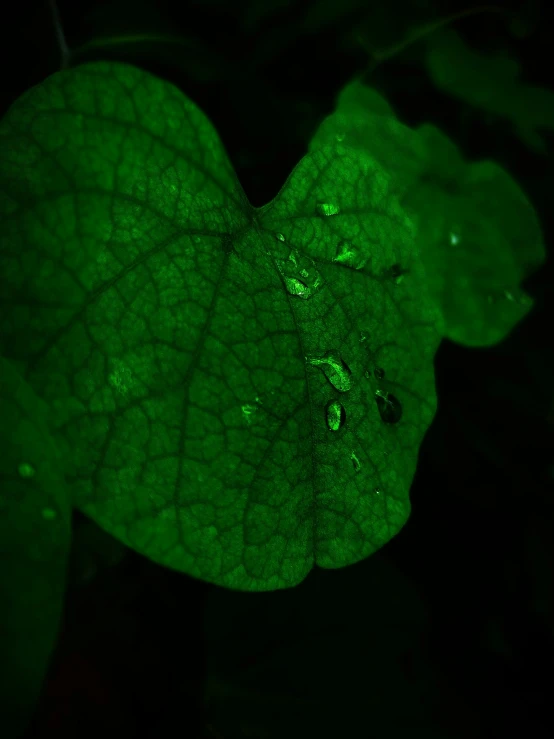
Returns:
(247, 412)
(279, 237)
(334, 369)
(326, 209)
(300, 276)
(297, 287)
(26, 470)
(389, 406)
(397, 273)
(349, 254)
(454, 239)
(335, 415)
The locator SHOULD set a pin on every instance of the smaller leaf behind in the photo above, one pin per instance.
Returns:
(35, 531)
(477, 233)
(491, 83)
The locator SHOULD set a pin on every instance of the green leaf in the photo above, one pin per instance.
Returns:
(195, 352)
(491, 84)
(477, 233)
(239, 393)
(35, 529)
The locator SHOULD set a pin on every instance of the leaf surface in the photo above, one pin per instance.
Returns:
(35, 530)
(493, 84)
(239, 393)
(477, 234)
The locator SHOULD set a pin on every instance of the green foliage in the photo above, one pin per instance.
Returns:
(237, 393)
(194, 352)
(491, 83)
(35, 530)
(477, 234)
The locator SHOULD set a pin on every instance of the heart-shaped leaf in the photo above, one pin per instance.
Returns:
(239, 393)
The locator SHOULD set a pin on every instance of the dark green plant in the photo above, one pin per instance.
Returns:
(237, 393)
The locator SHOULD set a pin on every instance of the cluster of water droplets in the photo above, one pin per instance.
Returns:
(299, 273)
(340, 377)
(302, 280)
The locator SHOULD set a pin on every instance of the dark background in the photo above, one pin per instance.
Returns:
(448, 631)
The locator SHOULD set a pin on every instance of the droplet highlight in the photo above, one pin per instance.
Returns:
(397, 273)
(335, 415)
(389, 406)
(326, 209)
(300, 275)
(349, 255)
(334, 369)
(279, 237)
(297, 287)
(26, 470)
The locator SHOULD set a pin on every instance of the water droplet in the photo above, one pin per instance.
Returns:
(355, 462)
(279, 237)
(248, 412)
(326, 209)
(379, 373)
(26, 470)
(350, 255)
(389, 406)
(397, 273)
(340, 137)
(336, 415)
(513, 296)
(297, 287)
(454, 238)
(300, 275)
(377, 491)
(49, 514)
(334, 369)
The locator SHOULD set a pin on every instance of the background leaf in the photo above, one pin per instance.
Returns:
(477, 233)
(491, 83)
(35, 518)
